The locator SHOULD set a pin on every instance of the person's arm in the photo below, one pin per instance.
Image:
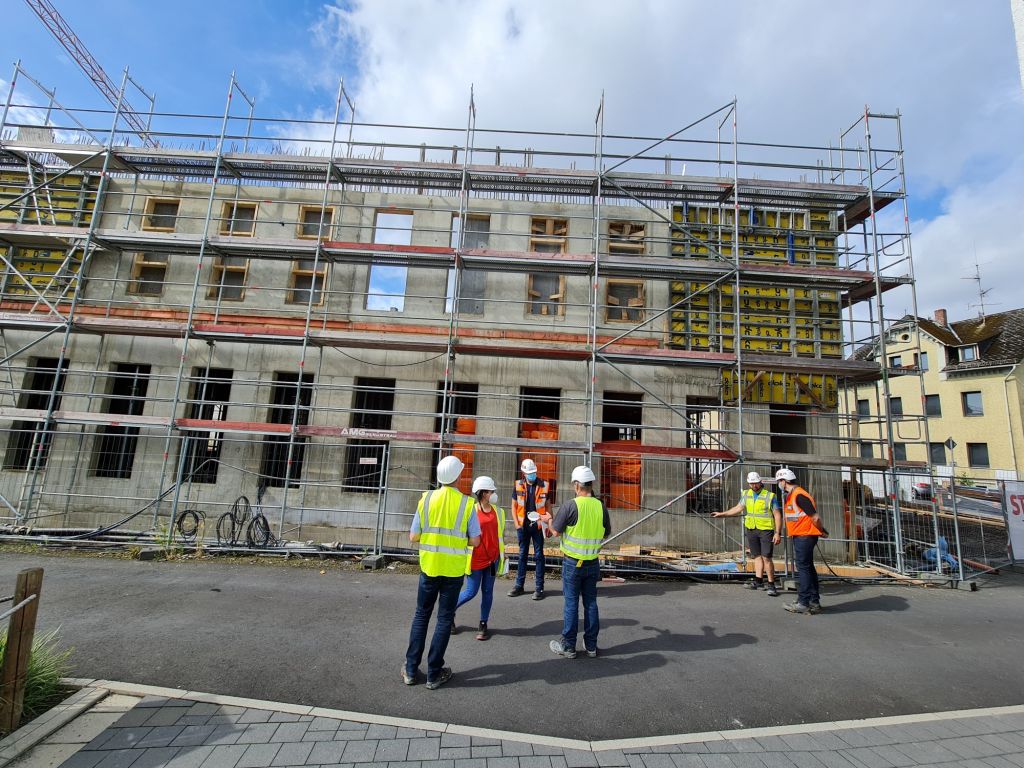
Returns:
(732, 512)
(414, 529)
(808, 508)
(778, 524)
(473, 530)
(607, 521)
(563, 518)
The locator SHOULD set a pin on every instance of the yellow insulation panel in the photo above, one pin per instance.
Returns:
(39, 268)
(67, 201)
(779, 388)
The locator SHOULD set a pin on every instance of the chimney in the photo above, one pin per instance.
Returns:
(940, 317)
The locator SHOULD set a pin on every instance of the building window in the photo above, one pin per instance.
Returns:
(372, 407)
(546, 294)
(626, 237)
(923, 361)
(115, 449)
(972, 404)
(471, 291)
(148, 274)
(977, 454)
(896, 361)
(28, 437)
(625, 300)
(229, 273)
(386, 288)
(476, 235)
(932, 405)
(622, 415)
(238, 219)
(275, 468)
(968, 354)
(309, 222)
(899, 451)
(863, 409)
(161, 214)
(208, 400)
(306, 281)
(937, 454)
(896, 407)
(548, 235)
(867, 450)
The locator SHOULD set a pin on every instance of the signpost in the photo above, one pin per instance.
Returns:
(1013, 508)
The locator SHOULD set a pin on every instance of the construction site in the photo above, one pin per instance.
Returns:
(309, 314)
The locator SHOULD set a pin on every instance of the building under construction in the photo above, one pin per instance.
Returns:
(203, 306)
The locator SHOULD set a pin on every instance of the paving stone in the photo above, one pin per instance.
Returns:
(867, 757)
(455, 740)
(486, 751)
(125, 738)
(288, 732)
(833, 759)
(655, 760)
(83, 759)
(258, 755)
(224, 756)
(257, 733)
(225, 734)
(292, 754)
(134, 718)
(393, 750)
(189, 719)
(410, 733)
(203, 708)
(535, 761)
(156, 701)
(285, 717)
(326, 752)
(746, 760)
(717, 761)
(483, 741)
(223, 719)
(971, 747)
(437, 764)
(748, 745)
(359, 751)
(777, 760)
(323, 724)
(352, 725)
(516, 749)
(405, 764)
(455, 753)
(119, 758)
(193, 735)
(998, 762)
(558, 761)
(1004, 745)
(255, 716)
(370, 765)
(695, 747)
(861, 737)
(166, 716)
(424, 749)
(381, 731)
(190, 757)
(578, 758)
(344, 735)
(688, 761)
(804, 760)
(547, 749)
(318, 736)
(471, 763)
(927, 752)
(503, 762)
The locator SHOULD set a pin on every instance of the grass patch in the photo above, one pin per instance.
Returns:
(47, 664)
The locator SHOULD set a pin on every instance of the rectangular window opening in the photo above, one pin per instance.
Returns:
(307, 281)
(387, 283)
(28, 438)
(625, 301)
(977, 455)
(161, 214)
(546, 294)
(149, 272)
(932, 405)
(472, 287)
(228, 278)
(209, 395)
(238, 219)
(627, 237)
(114, 455)
(476, 235)
(373, 405)
(863, 409)
(287, 390)
(309, 222)
(972, 404)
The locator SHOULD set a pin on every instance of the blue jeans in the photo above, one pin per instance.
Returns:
(806, 575)
(576, 583)
(444, 590)
(482, 578)
(530, 532)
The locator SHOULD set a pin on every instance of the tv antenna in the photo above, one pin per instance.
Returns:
(982, 292)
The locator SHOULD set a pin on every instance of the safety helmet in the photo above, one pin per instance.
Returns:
(785, 474)
(528, 466)
(583, 475)
(484, 483)
(448, 470)
(753, 477)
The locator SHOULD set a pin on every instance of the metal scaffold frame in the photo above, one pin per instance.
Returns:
(692, 448)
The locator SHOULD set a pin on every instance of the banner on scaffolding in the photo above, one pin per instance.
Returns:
(1013, 503)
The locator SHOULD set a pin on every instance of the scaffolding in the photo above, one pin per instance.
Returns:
(321, 309)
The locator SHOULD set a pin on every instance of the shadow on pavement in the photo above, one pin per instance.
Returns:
(873, 604)
(666, 640)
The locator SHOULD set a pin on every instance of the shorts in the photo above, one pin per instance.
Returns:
(760, 542)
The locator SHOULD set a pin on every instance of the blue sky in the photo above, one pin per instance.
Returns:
(802, 70)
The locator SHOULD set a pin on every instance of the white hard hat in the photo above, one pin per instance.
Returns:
(583, 475)
(753, 477)
(528, 466)
(785, 474)
(484, 483)
(448, 470)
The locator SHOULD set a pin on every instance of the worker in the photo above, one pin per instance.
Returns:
(530, 495)
(488, 558)
(445, 527)
(762, 518)
(804, 527)
(583, 524)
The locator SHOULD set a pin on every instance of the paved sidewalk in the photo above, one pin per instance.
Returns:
(179, 729)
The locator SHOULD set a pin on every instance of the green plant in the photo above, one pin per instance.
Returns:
(47, 664)
(964, 481)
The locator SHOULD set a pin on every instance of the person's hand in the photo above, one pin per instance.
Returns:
(824, 533)
(776, 539)
(717, 514)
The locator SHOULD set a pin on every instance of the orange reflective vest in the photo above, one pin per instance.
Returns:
(797, 522)
(519, 500)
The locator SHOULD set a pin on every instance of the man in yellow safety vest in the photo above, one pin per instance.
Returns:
(445, 527)
(762, 519)
(583, 524)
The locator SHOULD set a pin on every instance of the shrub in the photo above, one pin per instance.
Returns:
(47, 664)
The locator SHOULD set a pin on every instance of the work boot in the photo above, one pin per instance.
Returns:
(443, 677)
(455, 628)
(556, 646)
(516, 591)
(771, 590)
(484, 633)
(814, 608)
(591, 654)
(538, 595)
(755, 584)
(407, 678)
(796, 608)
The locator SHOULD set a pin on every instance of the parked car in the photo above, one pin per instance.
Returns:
(921, 490)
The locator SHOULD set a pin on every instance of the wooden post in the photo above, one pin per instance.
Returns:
(20, 632)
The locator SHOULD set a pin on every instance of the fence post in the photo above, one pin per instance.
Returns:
(20, 632)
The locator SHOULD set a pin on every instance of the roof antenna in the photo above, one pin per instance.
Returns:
(982, 293)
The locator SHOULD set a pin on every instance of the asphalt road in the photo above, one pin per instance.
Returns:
(676, 656)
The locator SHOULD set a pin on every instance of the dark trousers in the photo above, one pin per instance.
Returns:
(806, 575)
(444, 590)
(530, 532)
(579, 582)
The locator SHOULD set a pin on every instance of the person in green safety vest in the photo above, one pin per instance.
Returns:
(445, 527)
(582, 523)
(762, 518)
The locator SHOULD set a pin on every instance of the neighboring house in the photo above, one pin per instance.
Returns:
(969, 388)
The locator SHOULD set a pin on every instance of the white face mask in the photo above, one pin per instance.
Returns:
(493, 498)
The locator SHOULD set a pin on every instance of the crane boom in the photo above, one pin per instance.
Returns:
(66, 36)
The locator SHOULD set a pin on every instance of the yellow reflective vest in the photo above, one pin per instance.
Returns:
(582, 541)
(759, 510)
(444, 523)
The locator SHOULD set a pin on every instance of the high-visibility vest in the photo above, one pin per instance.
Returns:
(519, 500)
(501, 542)
(444, 523)
(582, 541)
(798, 523)
(759, 510)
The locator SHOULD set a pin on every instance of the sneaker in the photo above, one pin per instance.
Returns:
(771, 590)
(455, 628)
(557, 647)
(796, 608)
(516, 591)
(407, 678)
(538, 595)
(814, 608)
(753, 584)
(484, 633)
(443, 677)
(591, 654)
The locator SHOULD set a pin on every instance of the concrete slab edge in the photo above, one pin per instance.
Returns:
(136, 689)
(20, 741)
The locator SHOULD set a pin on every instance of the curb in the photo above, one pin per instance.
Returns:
(51, 721)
